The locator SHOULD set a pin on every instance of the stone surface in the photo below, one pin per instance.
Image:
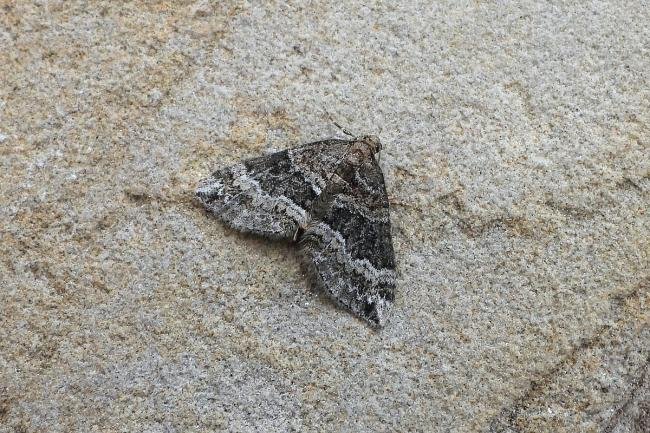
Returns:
(515, 152)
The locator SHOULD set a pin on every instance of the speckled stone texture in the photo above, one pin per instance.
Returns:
(515, 153)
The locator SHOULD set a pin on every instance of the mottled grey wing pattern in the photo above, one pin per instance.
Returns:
(271, 195)
(331, 198)
(348, 240)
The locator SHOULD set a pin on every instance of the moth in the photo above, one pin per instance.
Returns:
(327, 197)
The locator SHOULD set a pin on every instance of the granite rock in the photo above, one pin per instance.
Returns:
(516, 157)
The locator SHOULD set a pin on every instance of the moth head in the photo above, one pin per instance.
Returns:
(373, 142)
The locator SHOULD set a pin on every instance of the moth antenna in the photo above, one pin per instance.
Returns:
(345, 131)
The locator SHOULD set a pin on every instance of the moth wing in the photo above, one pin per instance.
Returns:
(348, 241)
(271, 195)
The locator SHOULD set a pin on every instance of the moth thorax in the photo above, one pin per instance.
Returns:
(372, 141)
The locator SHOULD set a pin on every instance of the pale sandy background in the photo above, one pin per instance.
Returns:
(516, 154)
